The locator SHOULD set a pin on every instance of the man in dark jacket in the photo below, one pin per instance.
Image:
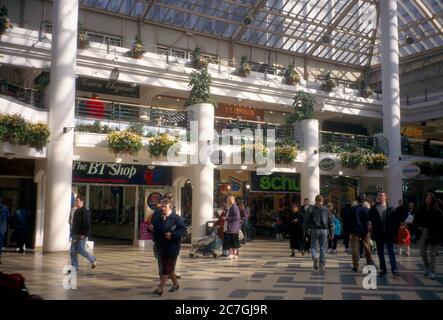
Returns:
(384, 227)
(81, 225)
(358, 229)
(321, 227)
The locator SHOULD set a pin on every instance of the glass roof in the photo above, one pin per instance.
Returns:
(342, 31)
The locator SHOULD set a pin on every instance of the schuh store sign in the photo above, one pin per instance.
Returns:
(275, 182)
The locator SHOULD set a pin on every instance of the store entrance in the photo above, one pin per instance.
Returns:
(19, 195)
(112, 213)
(266, 207)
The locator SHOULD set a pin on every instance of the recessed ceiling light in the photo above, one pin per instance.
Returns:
(271, 111)
(178, 99)
(159, 97)
(284, 113)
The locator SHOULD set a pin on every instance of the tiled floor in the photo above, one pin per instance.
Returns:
(264, 271)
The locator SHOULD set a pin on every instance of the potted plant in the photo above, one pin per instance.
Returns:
(5, 23)
(14, 129)
(37, 135)
(198, 61)
(160, 144)
(365, 90)
(285, 152)
(375, 161)
(138, 48)
(328, 84)
(200, 82)
(303, 107)
(351, 160)
(82, 38)
(245, 67)
(291, 76)
(254, 149)
(124, 142)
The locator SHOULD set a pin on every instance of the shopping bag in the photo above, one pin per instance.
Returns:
(409, 219)
(241, 236)
(90, 246)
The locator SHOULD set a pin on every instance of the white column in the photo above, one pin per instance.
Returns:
(202, 173)
(310, 171)
(61, 106)
(391, 96)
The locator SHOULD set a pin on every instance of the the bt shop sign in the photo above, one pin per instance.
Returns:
(118, 173)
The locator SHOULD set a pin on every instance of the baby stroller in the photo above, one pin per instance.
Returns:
(207, 245)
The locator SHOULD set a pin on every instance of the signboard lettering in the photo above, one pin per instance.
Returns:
(107, 87)
(276, 182)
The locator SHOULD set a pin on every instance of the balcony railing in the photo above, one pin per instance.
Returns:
(120, 116)
(346, 138)
(26, 95)
(419, 147)
(423, 95)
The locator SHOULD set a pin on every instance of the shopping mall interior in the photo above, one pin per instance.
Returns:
(347, 95)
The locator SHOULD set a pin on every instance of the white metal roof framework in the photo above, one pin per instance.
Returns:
(339, 31)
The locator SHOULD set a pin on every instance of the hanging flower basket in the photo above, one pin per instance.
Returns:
(285, 153)
(351, 160)
(375, 161)
(159, 145)
(198, 61)
(328, 84)
(15, 130)
(124, 142)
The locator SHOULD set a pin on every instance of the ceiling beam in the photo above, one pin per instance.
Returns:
(332, 26)
(374, 35)
(236, 36)
(428, 14)
(147, 10)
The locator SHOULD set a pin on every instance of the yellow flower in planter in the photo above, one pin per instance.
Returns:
(160, 144)
(124, 142)
(285, 153)
(375, 161)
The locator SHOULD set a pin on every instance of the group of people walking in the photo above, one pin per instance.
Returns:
(311, 227)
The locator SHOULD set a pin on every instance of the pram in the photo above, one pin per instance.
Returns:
(207, 245)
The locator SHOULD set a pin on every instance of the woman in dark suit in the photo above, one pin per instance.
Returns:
(168, 231)
(296, 231)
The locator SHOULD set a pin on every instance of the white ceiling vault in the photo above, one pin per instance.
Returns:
(341, 31)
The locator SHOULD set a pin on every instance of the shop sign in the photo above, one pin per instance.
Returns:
(411, 171)
(117, 173)
(276, 182)
(145, 234)
(121, 89)
(327, 164)
(238, 111)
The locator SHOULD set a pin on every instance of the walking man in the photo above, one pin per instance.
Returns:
(358, 227)
(81, 226)
(321, 227)
(384, 224)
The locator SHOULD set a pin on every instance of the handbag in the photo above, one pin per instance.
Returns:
(241, 236)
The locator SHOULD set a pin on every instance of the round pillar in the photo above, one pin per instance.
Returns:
(310, 173)
(61, 115)
(202, 115)
(391, 96)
